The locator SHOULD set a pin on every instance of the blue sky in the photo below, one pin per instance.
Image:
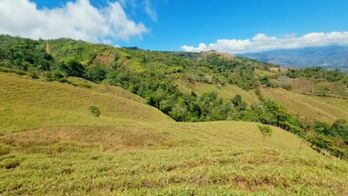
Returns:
(172, 24)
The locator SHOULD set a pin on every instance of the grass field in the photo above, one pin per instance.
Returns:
(51, 145)
(27, 104)
(309, 107)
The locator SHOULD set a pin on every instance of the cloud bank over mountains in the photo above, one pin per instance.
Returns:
(76, 19)
(263, 42)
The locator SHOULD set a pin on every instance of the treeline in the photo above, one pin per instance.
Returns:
(333, 138)
(24, 54)
(319, 74)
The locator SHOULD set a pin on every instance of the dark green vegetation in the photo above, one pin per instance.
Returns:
(319, 74)
(94, 110)
(151, 75)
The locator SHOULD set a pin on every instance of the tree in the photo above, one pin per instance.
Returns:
(265, 131)
(238, 103)
(95, 73)
(75, 68)
(265, 81)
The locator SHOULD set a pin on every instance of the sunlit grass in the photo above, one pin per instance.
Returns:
(51, 145)
(311, 108)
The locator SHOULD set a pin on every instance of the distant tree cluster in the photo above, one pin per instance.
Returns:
(319, 74)
(324, 134)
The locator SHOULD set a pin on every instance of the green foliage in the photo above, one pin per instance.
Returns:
(333, 138)
(56, 74)
(150, 74)
(269, 112)
(94, 111)
(320, 141)
(264, 80)
(24, 54)
(160, 93)
(318, 74)
(74, 68)
(338, 129)
(95, 73)
(238, 103)
(266, 131)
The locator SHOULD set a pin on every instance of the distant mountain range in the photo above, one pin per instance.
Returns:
(328, 56)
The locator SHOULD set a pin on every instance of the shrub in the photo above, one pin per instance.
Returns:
(265, 131)
(75, 68)
(238, 103)
(95, 111)
(95, 73)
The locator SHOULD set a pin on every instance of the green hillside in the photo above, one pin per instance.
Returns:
(192, 87)
(82, 118)
(66, 150)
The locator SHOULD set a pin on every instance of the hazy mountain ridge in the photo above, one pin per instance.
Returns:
(327, 56)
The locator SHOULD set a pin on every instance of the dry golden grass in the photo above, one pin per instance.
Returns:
(27, 103)
(51, 145)
(165, 158)
(107, 89)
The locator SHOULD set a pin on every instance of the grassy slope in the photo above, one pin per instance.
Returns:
(313, 87)
(66, 150)
(32, 104)
(310, 107)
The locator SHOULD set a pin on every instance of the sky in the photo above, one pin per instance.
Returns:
(235, 26)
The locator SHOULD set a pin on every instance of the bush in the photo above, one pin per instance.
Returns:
(238, 103)
(95, 111)
(95, 73)
(265, 131)
(74, 68)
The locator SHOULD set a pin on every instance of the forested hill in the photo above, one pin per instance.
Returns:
(193, 87)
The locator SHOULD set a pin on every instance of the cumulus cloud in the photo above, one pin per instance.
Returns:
(263, 42)
(77, 20)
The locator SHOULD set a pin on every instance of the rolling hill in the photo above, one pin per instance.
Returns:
(24, 106)
(80, 118)
(57, 147)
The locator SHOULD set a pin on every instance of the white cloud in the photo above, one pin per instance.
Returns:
(77, 20)
(262, 42)
(145, 5)
(149, 10)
